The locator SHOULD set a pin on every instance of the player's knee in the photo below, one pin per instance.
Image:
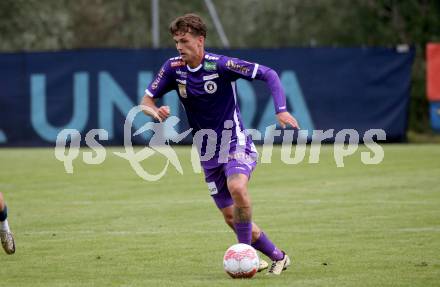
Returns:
(237, 188)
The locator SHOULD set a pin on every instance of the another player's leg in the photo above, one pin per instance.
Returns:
(6, 236)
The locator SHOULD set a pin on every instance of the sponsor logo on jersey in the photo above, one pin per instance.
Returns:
(182, 90)
(209, 57)
(210, 77)
(181, 73)
(210, 66)
(210, 87)
(230, 64)
(156, 82)
(177, 64)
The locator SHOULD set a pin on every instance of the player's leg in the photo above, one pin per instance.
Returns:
(280, 260)
(260, 240)
(6, 236)
(216, 180)
(220, 192)
(228, 215)
(237, 186)
(237, 180)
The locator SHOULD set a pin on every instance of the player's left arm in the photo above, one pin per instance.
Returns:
(273, 82)
(236, 68)
(285, 118)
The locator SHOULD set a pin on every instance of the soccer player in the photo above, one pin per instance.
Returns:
(206, 86)
(6, 236)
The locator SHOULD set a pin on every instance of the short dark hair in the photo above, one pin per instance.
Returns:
(191, 23)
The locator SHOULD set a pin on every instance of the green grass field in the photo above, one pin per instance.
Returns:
(375, 225)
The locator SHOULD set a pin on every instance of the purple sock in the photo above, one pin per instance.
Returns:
(266, 247)
(244, 232)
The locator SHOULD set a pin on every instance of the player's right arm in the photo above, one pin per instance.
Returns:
(163, 83)
(150, 109)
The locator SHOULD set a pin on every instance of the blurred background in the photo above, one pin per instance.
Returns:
(344, 64)
(53, 25)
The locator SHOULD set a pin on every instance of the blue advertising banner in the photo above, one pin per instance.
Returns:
(326, 88)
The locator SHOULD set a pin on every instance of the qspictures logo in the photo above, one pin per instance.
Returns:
(346, 143)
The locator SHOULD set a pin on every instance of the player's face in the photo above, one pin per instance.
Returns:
(190, 47)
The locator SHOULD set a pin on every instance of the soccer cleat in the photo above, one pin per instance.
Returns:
(278, 266)
(263, 265)
(8, 243)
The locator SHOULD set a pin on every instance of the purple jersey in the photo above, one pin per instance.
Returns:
(208, 93)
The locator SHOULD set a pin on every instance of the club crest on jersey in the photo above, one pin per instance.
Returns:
(182, 90)
(210, 66)
(210, 87)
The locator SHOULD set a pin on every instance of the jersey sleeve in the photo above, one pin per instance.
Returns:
(239, 69)
(273, 82)
(162, 83)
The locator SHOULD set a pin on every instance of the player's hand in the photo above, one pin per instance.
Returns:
(285, 118)
(163, 113)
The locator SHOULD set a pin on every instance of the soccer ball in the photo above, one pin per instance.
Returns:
(241, 261)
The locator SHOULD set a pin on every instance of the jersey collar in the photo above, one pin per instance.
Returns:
(195, 69)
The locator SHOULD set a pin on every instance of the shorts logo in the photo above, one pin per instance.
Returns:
(182, 90)
(212, 188)
(210, 87)
(210, 66)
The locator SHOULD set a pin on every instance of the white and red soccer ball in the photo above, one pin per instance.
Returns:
(241, 261)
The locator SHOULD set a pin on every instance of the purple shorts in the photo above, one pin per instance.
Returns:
(216, 178)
